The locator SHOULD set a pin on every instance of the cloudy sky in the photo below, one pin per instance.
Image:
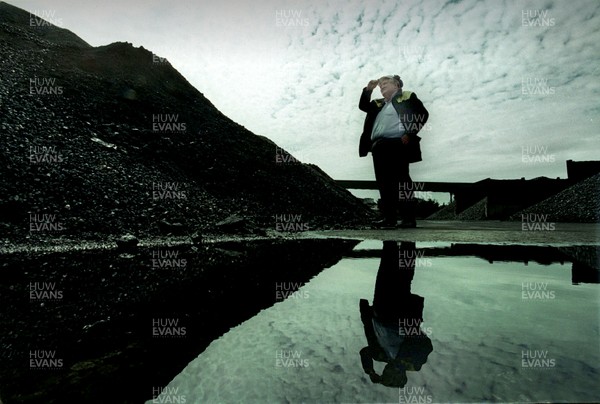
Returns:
(512, 87)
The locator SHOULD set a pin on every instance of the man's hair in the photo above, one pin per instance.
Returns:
(393, 77)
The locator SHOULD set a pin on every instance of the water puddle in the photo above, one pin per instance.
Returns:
(399, 322)
(99, 325)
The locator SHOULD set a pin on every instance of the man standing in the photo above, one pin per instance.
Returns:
(390, 134)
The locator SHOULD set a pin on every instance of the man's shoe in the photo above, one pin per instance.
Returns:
(408, 224)
(385, 224)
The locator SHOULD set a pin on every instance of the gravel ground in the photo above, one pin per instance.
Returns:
(578, 203)
(484, 231)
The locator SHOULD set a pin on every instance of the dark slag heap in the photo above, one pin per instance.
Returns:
(112, 139)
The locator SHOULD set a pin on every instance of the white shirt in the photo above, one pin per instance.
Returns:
(387, 124)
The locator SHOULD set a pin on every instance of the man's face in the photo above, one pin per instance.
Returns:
(388, 88)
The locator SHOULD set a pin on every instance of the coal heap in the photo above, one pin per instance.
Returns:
(107, 140)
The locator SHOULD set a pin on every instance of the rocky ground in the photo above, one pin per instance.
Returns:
(579, 203)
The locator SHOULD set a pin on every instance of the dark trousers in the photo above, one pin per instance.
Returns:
(393, 283)
(393, 179)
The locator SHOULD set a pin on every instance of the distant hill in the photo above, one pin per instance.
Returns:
(105, 140)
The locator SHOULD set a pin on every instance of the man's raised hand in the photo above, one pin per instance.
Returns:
(372, 84)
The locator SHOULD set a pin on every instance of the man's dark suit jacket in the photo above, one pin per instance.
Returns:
(411, 111)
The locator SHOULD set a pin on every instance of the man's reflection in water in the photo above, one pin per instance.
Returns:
(392, 323)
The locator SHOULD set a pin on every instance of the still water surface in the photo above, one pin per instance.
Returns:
(474, 330)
